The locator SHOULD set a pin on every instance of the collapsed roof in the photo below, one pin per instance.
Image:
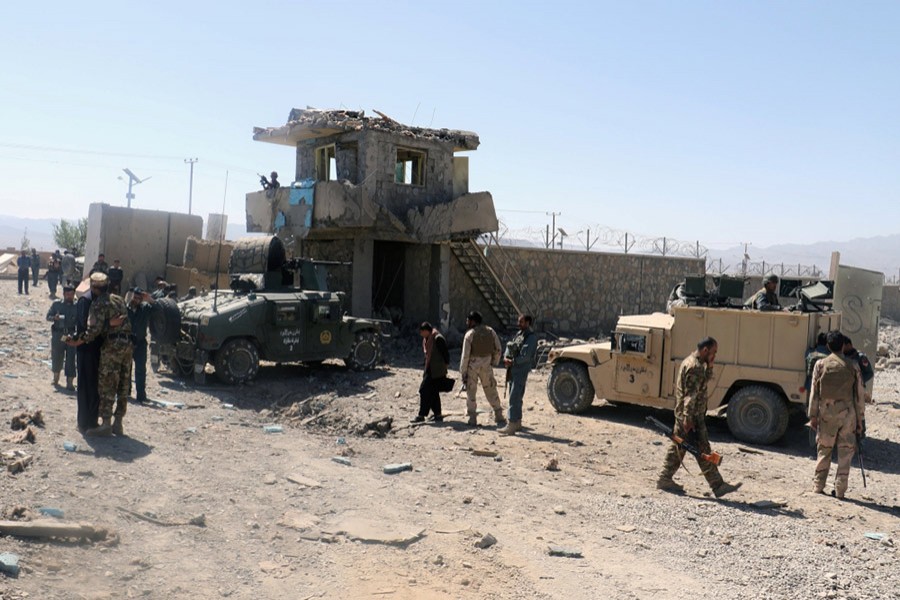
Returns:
(311, 123)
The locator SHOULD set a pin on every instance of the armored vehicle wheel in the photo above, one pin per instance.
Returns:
(757, 414)
(165, 322)
(569, 388)
(365, 352)
(237, 362)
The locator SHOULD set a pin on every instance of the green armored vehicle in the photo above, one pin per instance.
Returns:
(276, 310)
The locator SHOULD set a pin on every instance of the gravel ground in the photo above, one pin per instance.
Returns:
(266, 536)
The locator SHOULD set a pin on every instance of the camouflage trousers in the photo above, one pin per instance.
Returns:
(700, 438)
(115, 377)
(481, 369)
(837, 426)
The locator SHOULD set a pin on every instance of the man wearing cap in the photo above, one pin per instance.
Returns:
(140, 305)
(109, 318)
(88, 363)
(480, 352)
(62, 315)
(766, 298)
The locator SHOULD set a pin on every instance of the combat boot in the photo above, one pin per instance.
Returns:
(511, 428)
(725, 488)
(55, 378)
(117, 426)
(103, 430)
(499, 419)
(70, 384)
(473, 419)
(667, 484)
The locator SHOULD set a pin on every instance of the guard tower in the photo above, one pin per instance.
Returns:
(385, 196)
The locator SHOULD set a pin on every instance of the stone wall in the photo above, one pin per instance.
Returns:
(339, 277)
(890, 302)
(578, 292)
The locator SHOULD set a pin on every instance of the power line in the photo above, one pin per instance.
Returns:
(76, 151)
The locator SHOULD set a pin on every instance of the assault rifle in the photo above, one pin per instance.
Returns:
(860, 439)
(713, 458)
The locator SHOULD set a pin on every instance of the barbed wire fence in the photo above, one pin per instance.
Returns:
(599, 238)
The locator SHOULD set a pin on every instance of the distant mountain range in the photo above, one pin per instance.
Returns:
(880, 253)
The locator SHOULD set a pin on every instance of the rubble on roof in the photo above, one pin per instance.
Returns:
(356, 120)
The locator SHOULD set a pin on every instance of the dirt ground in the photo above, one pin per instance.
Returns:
(203, 502)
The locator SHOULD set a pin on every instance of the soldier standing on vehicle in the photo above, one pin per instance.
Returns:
(62, 315)
(480, 352)
(109, 318)
(519, 359)
(690, 416)
(837, 413)
(766, 298)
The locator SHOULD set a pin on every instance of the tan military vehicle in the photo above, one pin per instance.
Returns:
(759, 373)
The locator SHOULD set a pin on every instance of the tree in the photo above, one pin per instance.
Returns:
(71, 235)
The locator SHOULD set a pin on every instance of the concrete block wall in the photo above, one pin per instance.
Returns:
(340, 277)
(144, 241)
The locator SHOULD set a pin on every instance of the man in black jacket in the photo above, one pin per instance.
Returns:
(437, 357)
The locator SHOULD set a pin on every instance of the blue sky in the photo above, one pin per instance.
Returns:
(723, 122)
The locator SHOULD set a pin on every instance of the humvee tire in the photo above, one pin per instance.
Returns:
(237, 362)
(365, 352)
(569, 388)
(757, 414)
(165, 321)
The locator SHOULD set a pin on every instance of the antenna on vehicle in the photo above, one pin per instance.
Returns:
(219, 250)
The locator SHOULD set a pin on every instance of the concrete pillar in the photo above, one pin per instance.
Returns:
(439, 286)
(361, 299)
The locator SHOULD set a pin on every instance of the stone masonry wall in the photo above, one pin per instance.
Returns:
(580, 292)
(890, 302)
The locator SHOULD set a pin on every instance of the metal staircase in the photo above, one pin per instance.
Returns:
(495, 286)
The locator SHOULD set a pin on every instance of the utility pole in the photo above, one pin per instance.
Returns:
(552, 241)
(132, 180)
(191, 161)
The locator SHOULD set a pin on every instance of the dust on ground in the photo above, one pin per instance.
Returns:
(202, 502)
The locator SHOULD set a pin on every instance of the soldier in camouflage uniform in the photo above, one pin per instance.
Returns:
(109, 318)
(480, 352)
(837, 412)
(766, 298)
(690, 416)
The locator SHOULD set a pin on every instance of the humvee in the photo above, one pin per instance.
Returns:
(277, 310)
(759, 372)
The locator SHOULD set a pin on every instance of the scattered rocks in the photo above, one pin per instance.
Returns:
(486, 541)
(564, 552)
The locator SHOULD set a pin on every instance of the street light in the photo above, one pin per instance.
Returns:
(132, 180)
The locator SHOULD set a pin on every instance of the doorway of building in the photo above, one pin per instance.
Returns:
(388, 270)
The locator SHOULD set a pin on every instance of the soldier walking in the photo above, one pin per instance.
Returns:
(62, 315)
(68, 267)
(480, 352)
(54, 273)
(109, 318)
(690, 416)
(519, 359)
(836, 413)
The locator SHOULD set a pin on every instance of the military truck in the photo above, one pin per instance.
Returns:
(277, 310)
(760, 369)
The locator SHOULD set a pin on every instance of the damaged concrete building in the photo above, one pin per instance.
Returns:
(384, 197)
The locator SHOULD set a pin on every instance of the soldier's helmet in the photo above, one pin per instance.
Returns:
(773, 278)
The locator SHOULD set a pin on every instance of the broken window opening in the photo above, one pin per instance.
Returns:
(410, 168)
(326, 165)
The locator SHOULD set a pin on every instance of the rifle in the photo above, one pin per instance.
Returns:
(506, 382)
(667, 431)
(860, 439)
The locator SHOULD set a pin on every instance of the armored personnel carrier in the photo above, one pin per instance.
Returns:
(276, 310)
